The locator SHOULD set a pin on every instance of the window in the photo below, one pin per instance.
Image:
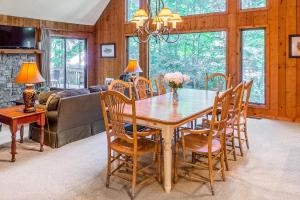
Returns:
(194, 7)
(194, 54)
(248, 4)
(132, 6)
(68, 63)
(253, 62)
(133, 51)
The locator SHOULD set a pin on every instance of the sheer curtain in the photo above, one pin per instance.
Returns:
(45, 47)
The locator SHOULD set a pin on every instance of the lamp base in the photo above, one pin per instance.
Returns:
(29, 99)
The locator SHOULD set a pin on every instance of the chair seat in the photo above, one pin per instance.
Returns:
(129, 128)
(144, 146)
(242, 120)
(229, 131)
(199, 143)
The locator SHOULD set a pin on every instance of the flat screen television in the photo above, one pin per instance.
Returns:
(12, 37)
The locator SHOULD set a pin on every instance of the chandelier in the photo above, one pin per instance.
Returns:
(160, 26)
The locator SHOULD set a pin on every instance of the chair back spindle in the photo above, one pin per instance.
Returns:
(122, 87)
(161, 86)
(217, 82)
(248, 88)
(113, 104)
(218, 125)
(143, 88)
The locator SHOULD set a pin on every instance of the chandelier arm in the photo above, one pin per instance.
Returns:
(162, 3)
(174, 41)
(147, 27)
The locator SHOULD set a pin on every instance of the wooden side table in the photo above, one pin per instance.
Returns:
(15, 118)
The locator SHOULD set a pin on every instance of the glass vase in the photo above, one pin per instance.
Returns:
(175, 98)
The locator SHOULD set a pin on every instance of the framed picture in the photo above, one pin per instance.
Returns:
(108, 50)
(294, 41)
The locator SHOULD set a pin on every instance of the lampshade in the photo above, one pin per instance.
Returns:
(140, 14)
(165, 13)
(175, 18)
(29, 74)
(157, 20)
(133, 67)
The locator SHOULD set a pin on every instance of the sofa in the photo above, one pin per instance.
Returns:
(71, 115)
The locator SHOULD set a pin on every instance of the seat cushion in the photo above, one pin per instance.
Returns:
(44, 96)
(123, 147)
(129, 128)
(199, 143)
(54, 98)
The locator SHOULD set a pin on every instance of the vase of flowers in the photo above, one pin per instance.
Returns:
(175, 81)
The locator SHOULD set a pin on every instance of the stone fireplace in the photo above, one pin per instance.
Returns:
(9, 67)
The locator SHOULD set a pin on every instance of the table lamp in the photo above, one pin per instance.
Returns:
(29, 75)
(134, 68)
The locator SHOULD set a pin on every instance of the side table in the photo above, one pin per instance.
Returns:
(15, 118)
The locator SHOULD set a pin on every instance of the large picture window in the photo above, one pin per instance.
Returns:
(133, 48)
(250, 4)
(192, 7)
(194, 54)
(253, 62)
(132, 6)
(68, 63)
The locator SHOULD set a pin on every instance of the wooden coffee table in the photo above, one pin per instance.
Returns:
(15, 118)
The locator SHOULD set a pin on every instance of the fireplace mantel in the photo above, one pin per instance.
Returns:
(20, 51)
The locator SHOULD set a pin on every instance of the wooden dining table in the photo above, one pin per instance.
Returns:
(159, 112)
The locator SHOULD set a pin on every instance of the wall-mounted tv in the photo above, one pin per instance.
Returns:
(12, 37)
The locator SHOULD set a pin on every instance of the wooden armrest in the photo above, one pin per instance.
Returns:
(148, 133)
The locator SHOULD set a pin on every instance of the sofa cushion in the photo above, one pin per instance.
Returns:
(44, 96)
(98, 88)
(54, 98)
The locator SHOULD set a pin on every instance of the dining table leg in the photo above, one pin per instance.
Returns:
(168, 135)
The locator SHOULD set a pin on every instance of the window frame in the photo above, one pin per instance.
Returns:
(65, 57)
(252, 9)
(266, 68)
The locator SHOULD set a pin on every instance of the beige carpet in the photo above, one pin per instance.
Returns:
(270, 170)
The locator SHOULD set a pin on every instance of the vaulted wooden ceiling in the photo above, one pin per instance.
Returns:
(78, 11)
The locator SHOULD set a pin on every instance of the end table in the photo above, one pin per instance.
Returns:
(15, 118)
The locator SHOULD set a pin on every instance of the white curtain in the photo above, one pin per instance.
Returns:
(45, 45)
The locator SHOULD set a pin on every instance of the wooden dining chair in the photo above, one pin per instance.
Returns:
(217, 82)
(241, 120)
(128, 147)
(161, 86)
(143, 88)
(121, 86)
(205, 144)
(234, 110)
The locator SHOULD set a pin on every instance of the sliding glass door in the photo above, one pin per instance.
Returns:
(68, 63)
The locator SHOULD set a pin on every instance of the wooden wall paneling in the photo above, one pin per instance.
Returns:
(282, 59)
(291, 28)
(232, 46)
(298, 64)
(110, 29)
(279, 18)
(37, 23)
(273, 60)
